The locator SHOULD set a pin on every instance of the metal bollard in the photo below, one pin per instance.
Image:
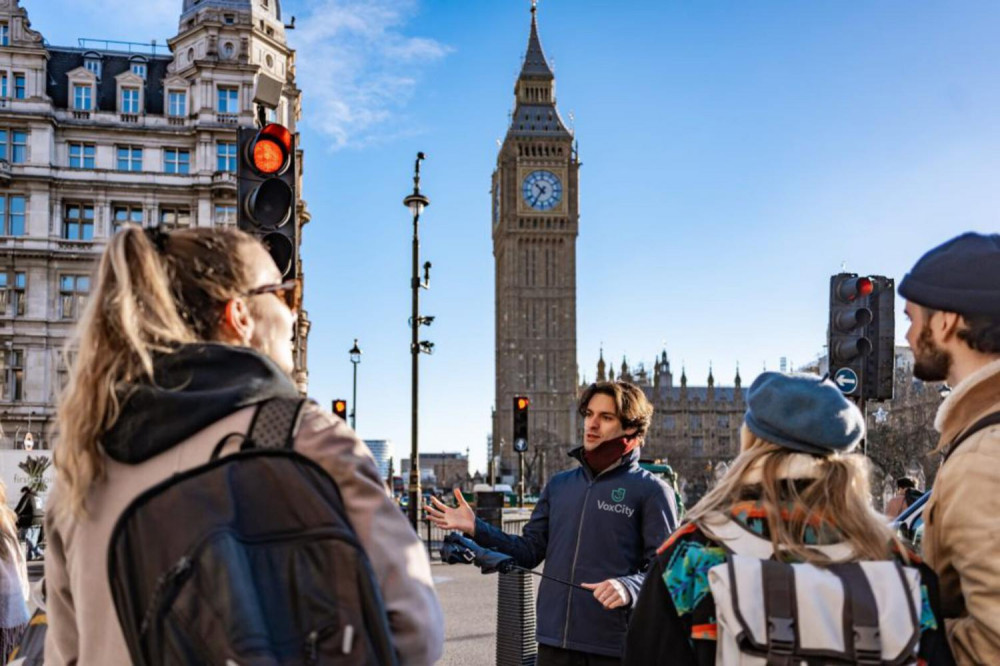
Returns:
(515, 599)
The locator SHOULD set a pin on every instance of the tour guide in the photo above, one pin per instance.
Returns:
(598, 524)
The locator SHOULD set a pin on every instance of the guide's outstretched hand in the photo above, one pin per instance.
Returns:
(461, 518)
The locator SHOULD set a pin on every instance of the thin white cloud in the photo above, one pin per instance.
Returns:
(358, 69)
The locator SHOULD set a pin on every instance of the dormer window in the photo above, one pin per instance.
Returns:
(229, 19)
(139, 67)
(82, 97)
(92, 62)
(130, 100)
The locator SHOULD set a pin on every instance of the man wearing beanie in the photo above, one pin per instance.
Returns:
(953, 304)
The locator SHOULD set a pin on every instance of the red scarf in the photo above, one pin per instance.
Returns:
(608, 453)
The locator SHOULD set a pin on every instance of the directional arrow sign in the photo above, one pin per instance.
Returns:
(847, 380)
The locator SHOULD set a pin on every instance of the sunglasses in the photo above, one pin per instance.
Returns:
(290, 292)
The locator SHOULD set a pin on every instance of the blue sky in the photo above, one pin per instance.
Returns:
(735, 155)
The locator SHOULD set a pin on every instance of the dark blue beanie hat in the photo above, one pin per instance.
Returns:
(803, 412)
(962, 275)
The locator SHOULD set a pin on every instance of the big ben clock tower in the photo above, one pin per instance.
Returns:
(535, 224)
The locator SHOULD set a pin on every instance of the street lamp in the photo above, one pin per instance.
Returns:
(355, 353)
(416, 202)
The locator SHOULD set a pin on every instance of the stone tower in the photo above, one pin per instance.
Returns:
(535, 225)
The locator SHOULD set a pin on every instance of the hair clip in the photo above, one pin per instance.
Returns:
(158, 237)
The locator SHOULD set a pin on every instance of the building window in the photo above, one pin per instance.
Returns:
(129, 158)
(177, 103)
(12, 293)
(226, 153)
(81, 155)
(12, 214)
(176, 160)
(130, 100)
(228, 100)
(139, 69)
(81, 97)
(78, 224)
(271, 115)
(695, 422)
(18, 146)
(698, 446)
(73, 290)
(229, 19)
(173, 218)
(3, 85)
(93, 65)
(669, 422)
(723, 421)
(225, 214)
(4, 33)
(124, 214)
(19, 86)
(13, 375)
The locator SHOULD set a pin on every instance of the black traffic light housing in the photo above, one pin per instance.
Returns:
(266, 187)
(848, 343)
(521, 404)
(340, 408)
(880, 369)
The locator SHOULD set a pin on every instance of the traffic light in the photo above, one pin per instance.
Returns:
(340, 408)
(266, 180)
(880, 369)
(848, 342)
(521, 404)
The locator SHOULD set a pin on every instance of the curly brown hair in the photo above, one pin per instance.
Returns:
(631, 404)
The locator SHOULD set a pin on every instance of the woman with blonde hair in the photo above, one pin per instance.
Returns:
(13, 580)
(186, 333)
(797, 493)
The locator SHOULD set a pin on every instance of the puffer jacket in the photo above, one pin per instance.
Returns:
(962, 520)
(588, 529)
(161, 432)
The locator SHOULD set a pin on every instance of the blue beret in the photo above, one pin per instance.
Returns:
(962, 275)
(802, 412)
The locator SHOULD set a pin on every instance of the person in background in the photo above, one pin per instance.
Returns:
(903, 498)
(13, 581)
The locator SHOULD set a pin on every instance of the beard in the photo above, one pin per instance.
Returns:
(930, 363)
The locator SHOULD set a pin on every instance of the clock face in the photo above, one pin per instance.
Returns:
(542, 190)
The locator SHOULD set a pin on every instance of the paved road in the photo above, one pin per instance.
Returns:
(469, 601)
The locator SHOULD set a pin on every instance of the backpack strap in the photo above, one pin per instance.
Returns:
(985, 422)
(738, 539)
(779, 604)
(861, 628)
(274, 424)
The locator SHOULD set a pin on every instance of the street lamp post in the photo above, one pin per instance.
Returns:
(416, 202)
(355, 353)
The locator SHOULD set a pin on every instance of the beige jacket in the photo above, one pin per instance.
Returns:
(962, 521)
(83, 626)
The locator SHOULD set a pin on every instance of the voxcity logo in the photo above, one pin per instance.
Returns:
(615, 508)
(618, 494)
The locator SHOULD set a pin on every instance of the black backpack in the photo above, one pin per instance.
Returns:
(247, 560)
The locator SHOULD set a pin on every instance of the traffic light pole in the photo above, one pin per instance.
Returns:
(520, 485)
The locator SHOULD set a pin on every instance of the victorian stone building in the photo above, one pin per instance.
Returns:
(104, 133)
(535, 225)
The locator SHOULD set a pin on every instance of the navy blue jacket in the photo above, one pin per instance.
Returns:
(588, 530)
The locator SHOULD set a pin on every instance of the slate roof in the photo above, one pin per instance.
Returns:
(537, 120)
(535, 65)
(63, 60)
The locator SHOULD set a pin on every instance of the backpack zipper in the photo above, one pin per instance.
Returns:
(178, 574)
(312, 641)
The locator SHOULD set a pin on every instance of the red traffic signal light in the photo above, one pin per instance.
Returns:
(340, 408)
(520, 402)
(266, 181)
(852, 288)
(270, 149)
